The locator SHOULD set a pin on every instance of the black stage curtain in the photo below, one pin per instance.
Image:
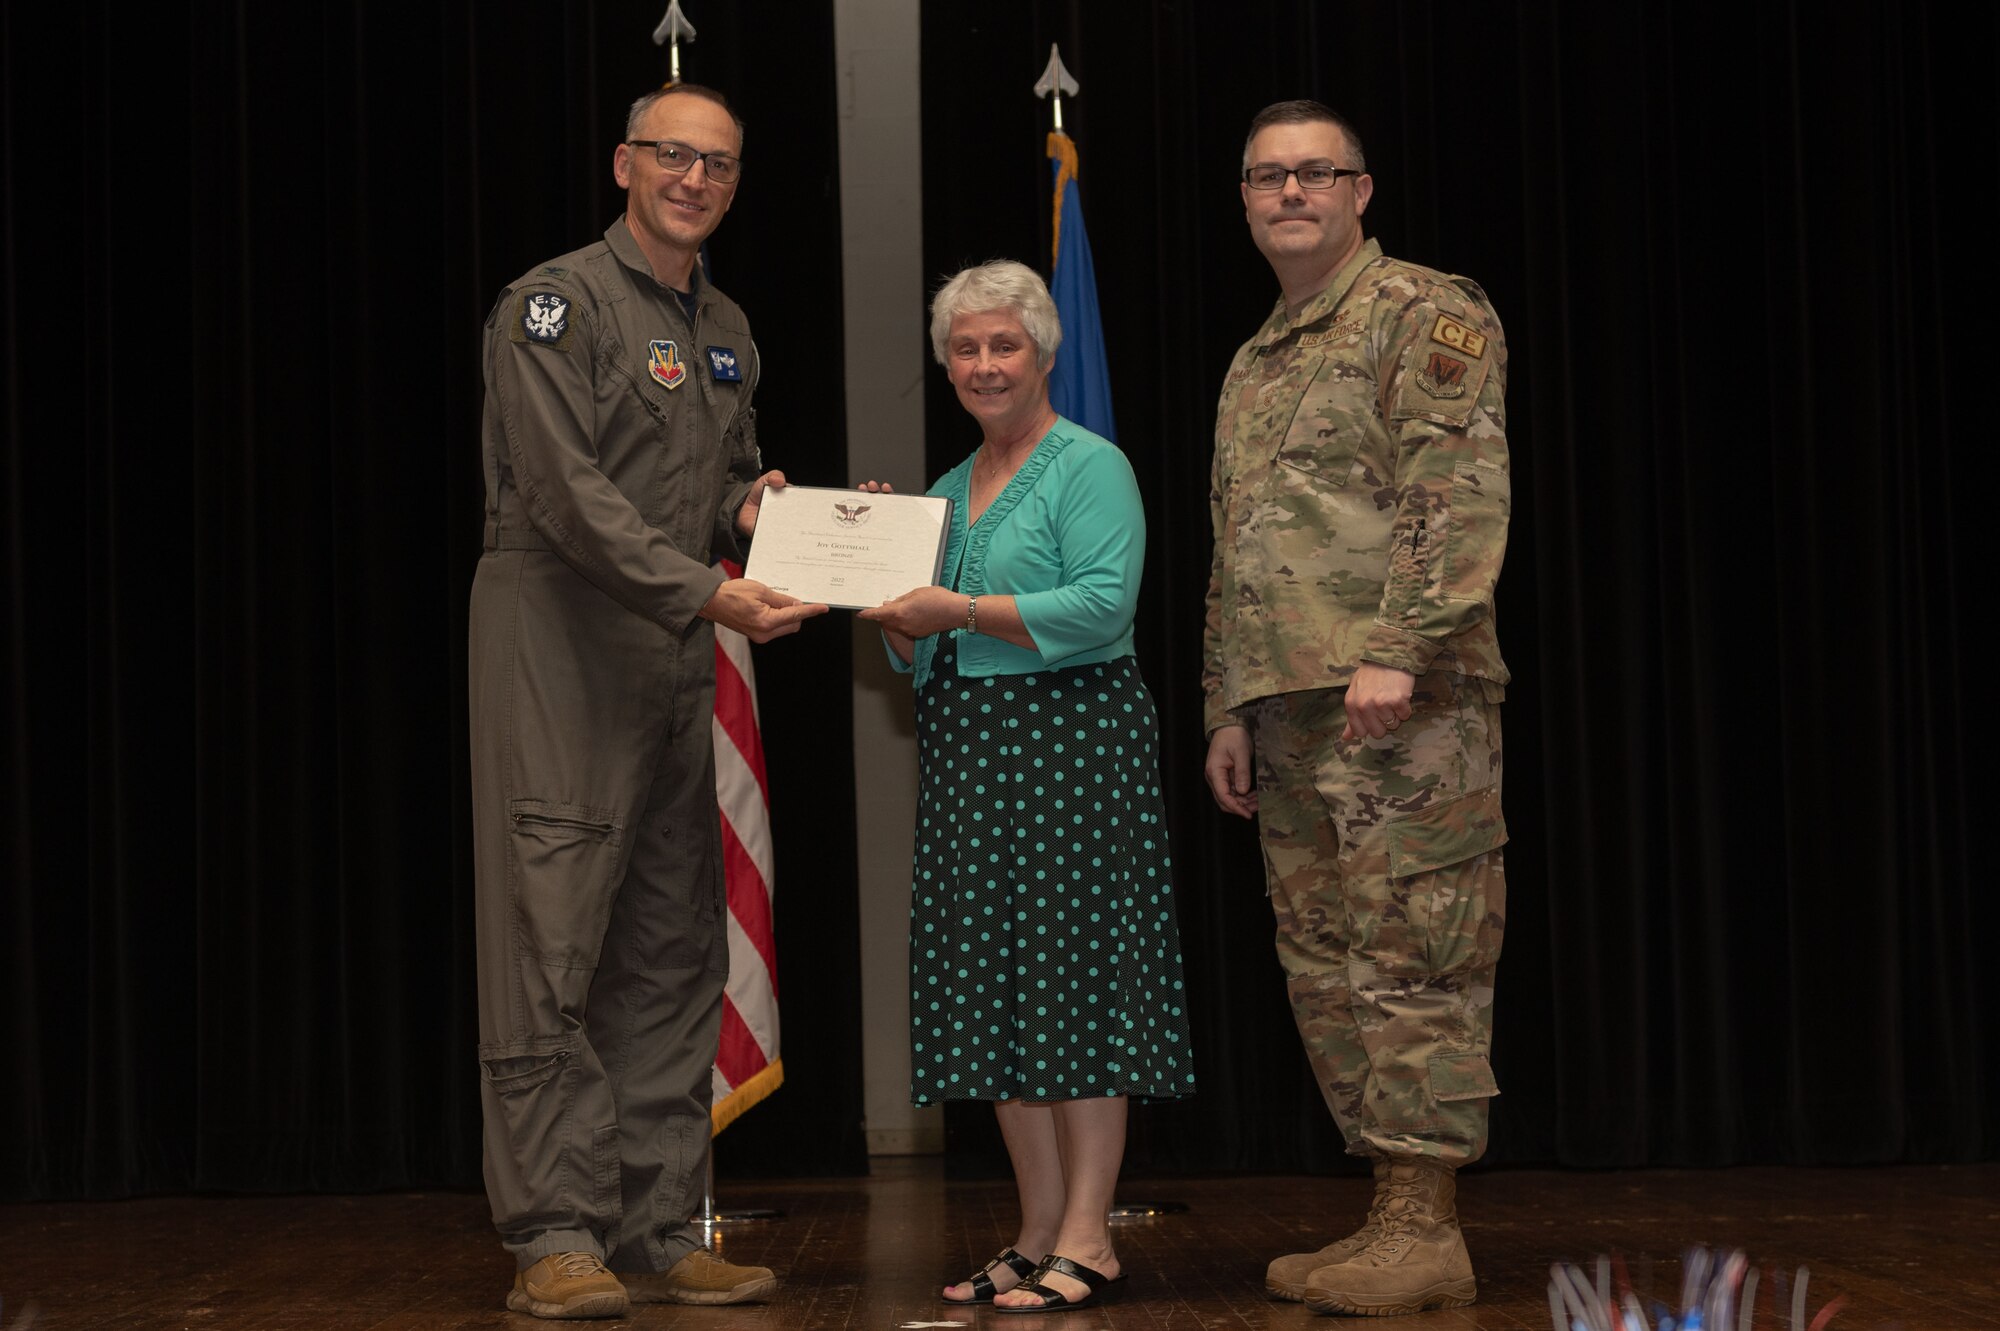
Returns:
(1749, 333)
(238, 554)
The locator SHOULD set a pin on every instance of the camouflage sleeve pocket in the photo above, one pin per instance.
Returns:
(1328, 426)
(1446, 833)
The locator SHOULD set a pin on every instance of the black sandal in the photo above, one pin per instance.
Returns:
(1095, 1284)
(982, 1283)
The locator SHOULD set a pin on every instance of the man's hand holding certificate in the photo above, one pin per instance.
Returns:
(849, 548)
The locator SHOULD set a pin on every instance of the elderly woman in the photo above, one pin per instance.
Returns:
(1044, 958)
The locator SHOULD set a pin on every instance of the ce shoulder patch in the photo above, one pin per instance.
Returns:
(543, 321)
(1458, 337)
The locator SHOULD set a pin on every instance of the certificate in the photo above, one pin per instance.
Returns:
(848, 548)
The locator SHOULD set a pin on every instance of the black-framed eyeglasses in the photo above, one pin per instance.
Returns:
(1313, 175)
(678, 157)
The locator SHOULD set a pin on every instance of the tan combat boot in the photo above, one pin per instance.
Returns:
(702, 1277)
(568, 1284)
(1416, 1261)
(1286, 1277)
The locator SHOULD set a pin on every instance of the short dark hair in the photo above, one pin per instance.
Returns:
(707, 94)
(1305, 111)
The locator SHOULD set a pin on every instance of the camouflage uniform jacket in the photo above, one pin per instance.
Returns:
(1359, 495)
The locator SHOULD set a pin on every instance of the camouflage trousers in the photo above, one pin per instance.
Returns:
(1385, 868)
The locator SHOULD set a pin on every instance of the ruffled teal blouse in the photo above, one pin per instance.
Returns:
(1066, 539)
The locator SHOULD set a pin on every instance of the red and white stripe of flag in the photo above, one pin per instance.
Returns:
(747, 1067)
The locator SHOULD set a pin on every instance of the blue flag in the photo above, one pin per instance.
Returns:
(1079, 383)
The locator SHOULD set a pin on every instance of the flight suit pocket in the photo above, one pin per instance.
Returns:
(515, 1070)
(1447, 858)
(741, 431)
(1327, 428)
(566, 859)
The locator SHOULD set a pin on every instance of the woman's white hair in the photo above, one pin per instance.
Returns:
(999, 284)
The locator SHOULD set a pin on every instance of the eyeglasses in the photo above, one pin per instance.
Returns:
(1314, 175)
(678, 157)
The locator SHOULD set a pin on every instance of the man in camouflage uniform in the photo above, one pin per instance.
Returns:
(1353, 682)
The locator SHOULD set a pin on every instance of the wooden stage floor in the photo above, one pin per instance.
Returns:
(1917, 1249)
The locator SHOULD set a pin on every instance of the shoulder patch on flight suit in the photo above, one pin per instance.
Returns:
(552, 271)
(543, 321)
(1457, 336)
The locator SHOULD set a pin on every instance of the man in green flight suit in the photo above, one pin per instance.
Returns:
(1352, 683)
(620, 456)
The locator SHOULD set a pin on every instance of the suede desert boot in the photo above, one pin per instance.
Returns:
(702, 1277)
(1286, 1277)
(568, 1284)
(1417, 1260)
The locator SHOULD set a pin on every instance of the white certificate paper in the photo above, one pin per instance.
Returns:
(848, 548)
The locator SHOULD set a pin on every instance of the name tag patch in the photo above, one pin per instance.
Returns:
(722, 364)
(1345, 328)
(663, 362)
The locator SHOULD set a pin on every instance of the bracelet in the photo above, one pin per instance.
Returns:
(972, 614)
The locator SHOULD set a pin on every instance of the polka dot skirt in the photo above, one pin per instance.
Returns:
(1044, 959)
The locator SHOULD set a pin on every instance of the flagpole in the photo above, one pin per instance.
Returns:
(674, 29)
(1080, 380)
(711, 1219)
(1055, 81)
(740, 804)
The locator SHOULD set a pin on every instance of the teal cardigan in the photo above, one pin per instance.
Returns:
(1066, 539)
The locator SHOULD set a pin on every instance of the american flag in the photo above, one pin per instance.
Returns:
(747, 1066)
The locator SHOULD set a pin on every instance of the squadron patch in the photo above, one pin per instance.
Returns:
(545, 320)
(722, 364)
(1458, 337)
(663, 362)
(1443, 376)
